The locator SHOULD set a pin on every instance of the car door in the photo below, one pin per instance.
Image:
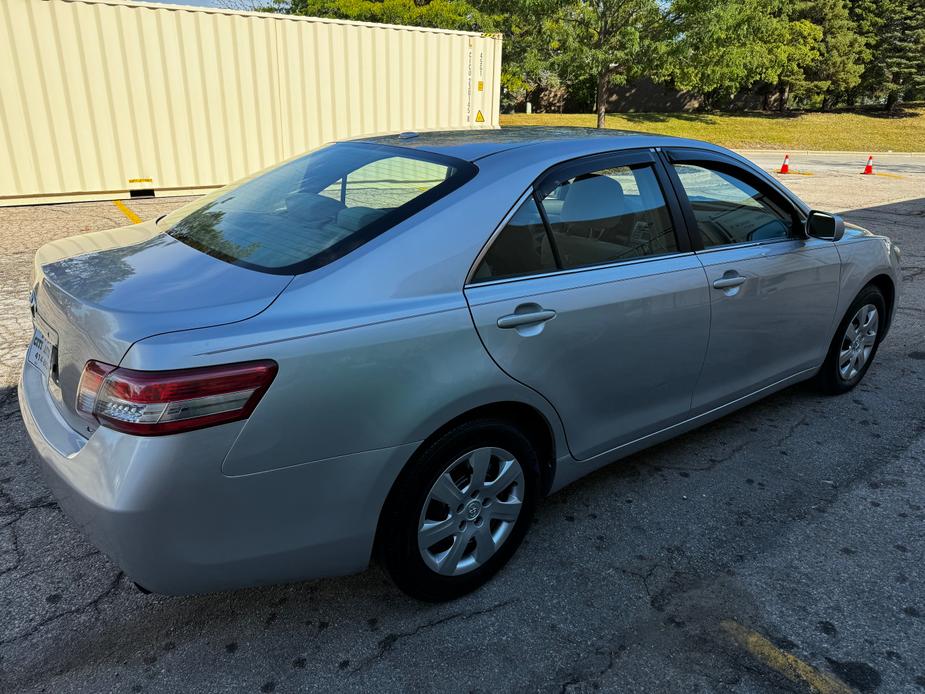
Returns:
(773, 290)
(589, 293)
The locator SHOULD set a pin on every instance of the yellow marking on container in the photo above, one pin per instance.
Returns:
(479, 118)
(481, 86)
(124, 209)
(784, 663)
(141, 180)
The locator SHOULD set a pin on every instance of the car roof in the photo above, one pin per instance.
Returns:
(471, 145)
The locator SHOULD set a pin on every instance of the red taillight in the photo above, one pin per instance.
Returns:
(90, 381)
(148, 403)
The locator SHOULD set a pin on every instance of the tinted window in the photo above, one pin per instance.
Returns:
(609, 215)
(522, 247)
(387, 183)
(311, 210)
(729, 210)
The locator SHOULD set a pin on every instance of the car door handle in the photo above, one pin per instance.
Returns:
(516, 320)
(729, 282)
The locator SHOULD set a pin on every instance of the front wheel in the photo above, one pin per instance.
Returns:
(461, 510)
(855, 344)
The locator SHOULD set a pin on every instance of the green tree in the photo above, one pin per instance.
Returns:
(842, 52)
(721, 48)
(528, 28)
(894, 31)
(712, 47)
(611, 41)
(442, 14)
(791, 58)
(867, 22)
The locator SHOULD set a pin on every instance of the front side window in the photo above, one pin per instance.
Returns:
(728, 210)
(314, 209)
(609, 215)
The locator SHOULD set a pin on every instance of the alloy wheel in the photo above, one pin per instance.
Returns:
(858, 342)
(470, 511)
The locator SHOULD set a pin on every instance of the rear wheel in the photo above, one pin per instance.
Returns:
(460, 512)
(855, 344)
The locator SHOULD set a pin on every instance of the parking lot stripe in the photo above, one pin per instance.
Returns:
(124, 209)
(787, 665)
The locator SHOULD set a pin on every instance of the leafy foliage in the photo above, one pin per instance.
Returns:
(442, 14)
(894, 30)
(807, 52)
(722, 46)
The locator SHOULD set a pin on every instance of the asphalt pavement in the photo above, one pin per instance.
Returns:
(778, 549)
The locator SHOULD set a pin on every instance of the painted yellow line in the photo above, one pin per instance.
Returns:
(787, 665)
(124, 209)
(888, 175)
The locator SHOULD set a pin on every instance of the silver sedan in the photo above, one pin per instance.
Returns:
(401, 344)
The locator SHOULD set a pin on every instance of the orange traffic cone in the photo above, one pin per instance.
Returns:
(785, 167)
(869, 169)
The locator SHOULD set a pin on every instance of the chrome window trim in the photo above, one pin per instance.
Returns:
(745, 244)
(586, 268)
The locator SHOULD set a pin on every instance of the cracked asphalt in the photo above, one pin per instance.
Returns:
(800, 518)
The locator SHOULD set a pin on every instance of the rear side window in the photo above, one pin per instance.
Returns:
(609, 215)
(729, 210)
(522, 247)
(594, 217)
(312, 210)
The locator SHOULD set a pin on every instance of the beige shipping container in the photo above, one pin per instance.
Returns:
(102, 97)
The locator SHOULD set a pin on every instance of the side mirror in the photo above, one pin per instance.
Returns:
(822, 225)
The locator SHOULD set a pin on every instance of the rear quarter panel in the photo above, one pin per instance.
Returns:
(392, 379)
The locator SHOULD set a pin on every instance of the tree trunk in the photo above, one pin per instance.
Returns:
(891, 100)
(603, 91)
(783, 96)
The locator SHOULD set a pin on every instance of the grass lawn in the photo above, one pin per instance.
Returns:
(851, 131)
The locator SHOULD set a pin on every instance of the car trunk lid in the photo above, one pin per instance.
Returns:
(97, 294)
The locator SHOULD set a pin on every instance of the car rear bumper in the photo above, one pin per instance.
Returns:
(162, 510)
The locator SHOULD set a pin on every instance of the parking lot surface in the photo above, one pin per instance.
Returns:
(890, 164)
(780, 548)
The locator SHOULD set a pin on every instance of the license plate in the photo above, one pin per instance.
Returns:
(41, 352)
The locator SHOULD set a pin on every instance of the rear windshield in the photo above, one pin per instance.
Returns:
(312, 210)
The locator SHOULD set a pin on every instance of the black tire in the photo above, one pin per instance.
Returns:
(829, 380)
(398, 533)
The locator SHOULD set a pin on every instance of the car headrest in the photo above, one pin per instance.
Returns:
(355, 218)
(311, 205)
(593, 197)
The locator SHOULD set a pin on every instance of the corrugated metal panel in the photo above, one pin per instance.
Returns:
(99, 97)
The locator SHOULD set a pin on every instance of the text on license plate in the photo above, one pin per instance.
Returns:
(40, 352)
